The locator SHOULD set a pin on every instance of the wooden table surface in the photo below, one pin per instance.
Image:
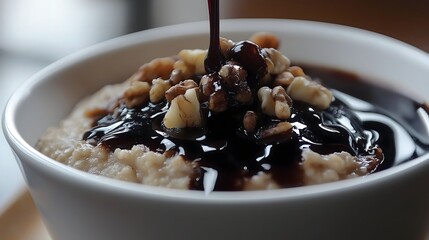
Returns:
(21, 221)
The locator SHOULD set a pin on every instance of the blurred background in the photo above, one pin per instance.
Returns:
(34, 33)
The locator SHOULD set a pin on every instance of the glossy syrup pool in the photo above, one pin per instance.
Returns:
(226, 154)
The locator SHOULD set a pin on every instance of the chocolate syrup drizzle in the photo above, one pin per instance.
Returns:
(226, 149)
(226, 154)
(215, 59)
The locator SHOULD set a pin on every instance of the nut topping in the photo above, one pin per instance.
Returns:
(275, 102)
(158, 89)
(180, 89)
(158, 67)
(191, 62)
(250, 121)
(282, 128)
(137, 93)
(296, 71)
(232, 74)
(310, 92)
(265, 40)
(184, 111)
(253, 115)
(225, 45)
(276, 61)
(284, 79)
(218, 101)
(249, 70)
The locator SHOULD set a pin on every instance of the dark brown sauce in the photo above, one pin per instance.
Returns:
(226, 149)
(215, 59)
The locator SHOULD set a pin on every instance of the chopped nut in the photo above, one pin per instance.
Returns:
(270, 65)
(96, 112)
(265, 40)
(158, 89)
(206, 84)
(137, 93)
(282, 103)
(296, 71)
(311, 92)
(284, 79)
(276, 61)
(158, 67)
(180, 89)
(282, 128)
(218, 101)
(249, 121)
(177, 76)
(193, 61)
(267, 101)
(185, 71)
(184, 111)
(225, 45)
(232, 74)
(275, 103)
(243, 94)
(279, 94)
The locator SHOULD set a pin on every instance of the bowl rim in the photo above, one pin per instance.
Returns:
(113, 186)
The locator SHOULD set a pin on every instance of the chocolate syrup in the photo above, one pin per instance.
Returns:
(349, 124)
(226, 154)
(215, 59)
(249, 55)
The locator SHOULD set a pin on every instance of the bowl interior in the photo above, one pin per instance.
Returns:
(50, 95)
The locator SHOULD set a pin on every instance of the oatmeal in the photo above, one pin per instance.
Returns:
(257, 122)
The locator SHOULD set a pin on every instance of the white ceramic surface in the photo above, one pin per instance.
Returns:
(392, 204)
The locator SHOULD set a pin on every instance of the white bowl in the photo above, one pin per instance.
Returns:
(391, 204)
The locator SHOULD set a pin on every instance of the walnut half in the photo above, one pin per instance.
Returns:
(184, 111)
(275, 102)
(311, 92)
